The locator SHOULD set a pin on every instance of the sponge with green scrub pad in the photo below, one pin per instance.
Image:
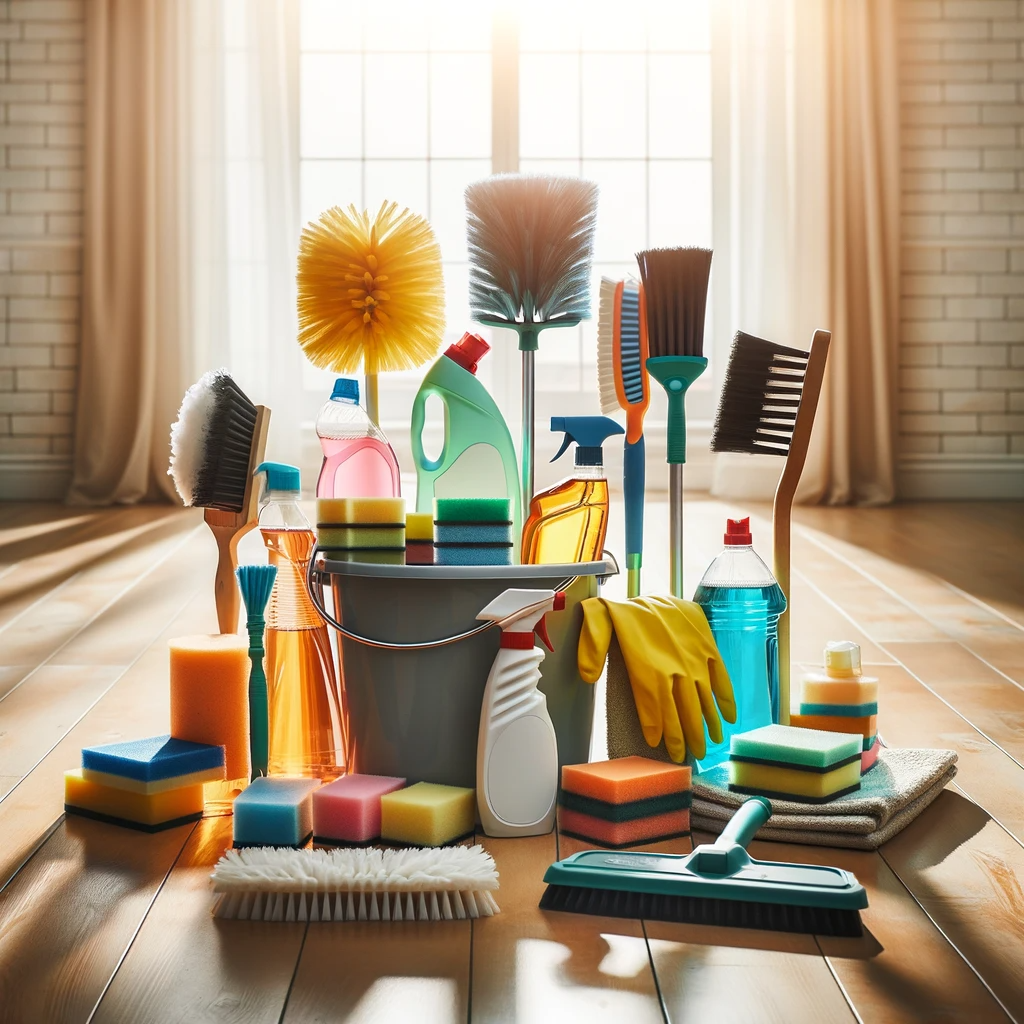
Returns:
(427, 814)
(472, 510)
(784, 761)
(152, 812)
(473, 531)
(153, 765)
(348, 809)
(362, 529)
(274, 812)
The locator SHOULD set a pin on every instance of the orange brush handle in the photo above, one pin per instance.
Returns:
(635, 411)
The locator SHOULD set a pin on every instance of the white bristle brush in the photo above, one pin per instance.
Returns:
(451, 883)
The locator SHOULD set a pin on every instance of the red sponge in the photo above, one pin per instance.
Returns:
(623, 833)
(625, 779)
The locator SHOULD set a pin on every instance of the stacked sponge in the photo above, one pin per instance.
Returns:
(362, 529)
(625, 801)
(841, 699)
(419, 538)
(149, 784)
(473, 531)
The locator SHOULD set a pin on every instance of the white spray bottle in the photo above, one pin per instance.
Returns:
(516, 753)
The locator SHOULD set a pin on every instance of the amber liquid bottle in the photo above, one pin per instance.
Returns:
(568, 523)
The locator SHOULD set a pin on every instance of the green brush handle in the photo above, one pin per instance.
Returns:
(259, 710)
(675, 374)
(743, 825)
(529, 333)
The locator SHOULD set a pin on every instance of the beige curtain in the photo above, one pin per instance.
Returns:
(813, 163)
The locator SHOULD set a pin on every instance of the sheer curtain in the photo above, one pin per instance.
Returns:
(191, 227)
(809, 155)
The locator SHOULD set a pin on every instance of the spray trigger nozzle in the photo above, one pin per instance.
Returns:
(589, 433)
(541, 629)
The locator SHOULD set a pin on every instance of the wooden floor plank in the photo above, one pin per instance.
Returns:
(185, 966)
(69, 915)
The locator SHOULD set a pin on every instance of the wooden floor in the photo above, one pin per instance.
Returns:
(103, 924)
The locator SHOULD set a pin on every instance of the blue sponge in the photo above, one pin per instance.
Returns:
(274, 812)
(158, 757)
(471, 554)
(473, 533)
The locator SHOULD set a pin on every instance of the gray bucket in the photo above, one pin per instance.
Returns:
(416, 713)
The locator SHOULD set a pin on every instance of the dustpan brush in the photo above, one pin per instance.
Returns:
(370, 292)
(531, 242)
(676, 294)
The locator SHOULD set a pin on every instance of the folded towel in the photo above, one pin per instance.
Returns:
(899, 787)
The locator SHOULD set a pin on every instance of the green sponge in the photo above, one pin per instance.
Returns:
(788, 745)
(472, 510)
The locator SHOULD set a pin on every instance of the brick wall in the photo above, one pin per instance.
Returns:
(41, 118)
(961, 394)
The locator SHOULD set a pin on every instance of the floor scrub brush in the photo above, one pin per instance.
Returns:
(370, 292)
(531, 242)
(675, 285)
(449, 883)
(769, 398)
(622, 382)
(718, 884)
(217, 441)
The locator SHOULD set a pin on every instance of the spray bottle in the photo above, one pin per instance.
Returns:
(516, 753)
(568, 523)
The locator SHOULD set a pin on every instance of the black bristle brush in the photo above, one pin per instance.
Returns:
(676, 290)
(531, 243)
(769, 398)
(217, 441)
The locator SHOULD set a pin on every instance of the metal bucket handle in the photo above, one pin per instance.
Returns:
(314, 587)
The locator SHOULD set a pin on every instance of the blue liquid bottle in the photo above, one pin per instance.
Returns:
(743, 603)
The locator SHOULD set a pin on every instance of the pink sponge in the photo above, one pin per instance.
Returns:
(348, 810)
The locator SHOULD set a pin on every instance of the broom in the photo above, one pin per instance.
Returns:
(370, 292)
(531, 240)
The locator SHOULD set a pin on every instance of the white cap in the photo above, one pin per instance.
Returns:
(842, 659)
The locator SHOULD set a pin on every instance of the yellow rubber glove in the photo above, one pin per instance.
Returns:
(678, 678)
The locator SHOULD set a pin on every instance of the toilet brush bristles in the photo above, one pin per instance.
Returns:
(370, 290)
(273, 884)
(531, 242)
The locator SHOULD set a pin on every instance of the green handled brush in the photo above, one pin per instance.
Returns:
(256, 583)
(531, 241)
(676, 292)
(718, 884)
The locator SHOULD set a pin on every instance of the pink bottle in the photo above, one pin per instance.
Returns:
(358, 461)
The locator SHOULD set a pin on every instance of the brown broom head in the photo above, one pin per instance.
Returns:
(370, 291)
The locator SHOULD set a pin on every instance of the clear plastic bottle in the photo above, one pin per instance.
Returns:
(358, 460)
(306, 706)
(743, 603)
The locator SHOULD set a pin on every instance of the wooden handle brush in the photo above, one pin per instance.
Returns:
(217, 442)
(769, 399)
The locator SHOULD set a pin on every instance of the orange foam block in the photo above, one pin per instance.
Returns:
(210, 695)
(623, 833)
(866, 726)
(625, 779)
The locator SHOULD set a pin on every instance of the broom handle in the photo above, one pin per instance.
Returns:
(675, 526)
(528, 451)
(372, 398)
(782, 512)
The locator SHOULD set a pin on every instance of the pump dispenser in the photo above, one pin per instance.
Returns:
(568, 523)
(517, 755)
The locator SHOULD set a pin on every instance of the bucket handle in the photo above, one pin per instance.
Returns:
(315, 589)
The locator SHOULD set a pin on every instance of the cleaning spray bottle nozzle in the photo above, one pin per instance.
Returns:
(468, 351)
(589, 433)
(278, 476)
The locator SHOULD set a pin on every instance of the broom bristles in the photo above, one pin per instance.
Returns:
(676, 288)
(531, 242)
(370, 291)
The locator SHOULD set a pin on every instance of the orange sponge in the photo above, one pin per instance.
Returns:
(623, 833)
(625, 779)
(865, 726)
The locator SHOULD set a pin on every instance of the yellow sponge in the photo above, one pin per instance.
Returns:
(427, 814)
(794, 783)
(150, 813)
(154, 786)
(419, 526)
(344, 511)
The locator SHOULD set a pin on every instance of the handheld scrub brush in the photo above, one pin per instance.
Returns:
(531, 241)
(371, 291)
(769, 398)
(622, 381)
(676, 290)
(217, 441)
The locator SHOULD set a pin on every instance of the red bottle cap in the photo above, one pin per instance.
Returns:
(468, 351)
(737, 531)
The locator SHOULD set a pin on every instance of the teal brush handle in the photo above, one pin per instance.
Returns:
(675, 374)
(259, 709)
(743, 825)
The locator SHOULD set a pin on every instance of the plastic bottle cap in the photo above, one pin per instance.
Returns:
(468, 351)
(842, 658)
(737, 531)
(346, 389)
(280, 476)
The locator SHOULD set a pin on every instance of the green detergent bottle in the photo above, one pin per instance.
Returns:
(478, 459)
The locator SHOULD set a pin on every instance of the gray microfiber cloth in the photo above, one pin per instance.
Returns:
(896, 790)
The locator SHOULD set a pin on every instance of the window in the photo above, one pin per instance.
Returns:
(408, 107)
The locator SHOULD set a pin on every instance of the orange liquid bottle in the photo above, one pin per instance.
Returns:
(568, 523)
(306, 709)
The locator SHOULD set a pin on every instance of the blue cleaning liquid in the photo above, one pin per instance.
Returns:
(745, 624)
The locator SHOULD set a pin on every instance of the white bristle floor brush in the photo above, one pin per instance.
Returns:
(451, 883)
